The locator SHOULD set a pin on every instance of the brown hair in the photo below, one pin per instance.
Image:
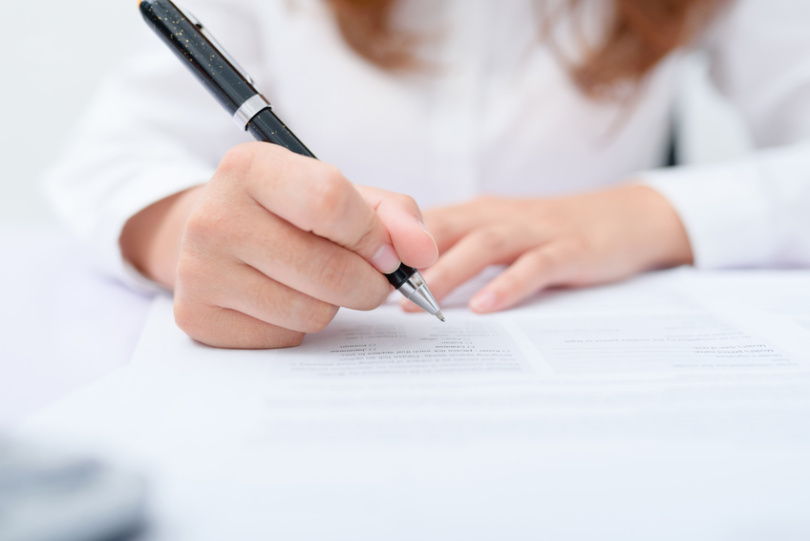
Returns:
(639, 33)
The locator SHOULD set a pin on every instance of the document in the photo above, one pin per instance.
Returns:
(783, 294)
(646, 327)
(581, 412)
(393, 346)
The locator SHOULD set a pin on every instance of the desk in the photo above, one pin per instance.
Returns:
(702, 487)
(63, 325)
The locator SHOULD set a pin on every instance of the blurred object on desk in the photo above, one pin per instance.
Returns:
(55, 495)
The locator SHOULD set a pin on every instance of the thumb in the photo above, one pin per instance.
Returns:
(401, 217)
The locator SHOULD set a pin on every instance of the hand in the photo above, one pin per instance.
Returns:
(271, 247)
(571, 241)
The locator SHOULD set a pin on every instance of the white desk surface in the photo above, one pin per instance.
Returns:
(63, 325)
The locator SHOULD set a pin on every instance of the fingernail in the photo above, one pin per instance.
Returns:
(386, 259)
(429, 234)
(424, 227)
(484, 302)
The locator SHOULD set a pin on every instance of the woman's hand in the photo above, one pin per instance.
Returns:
(271, 247)
(571, 241)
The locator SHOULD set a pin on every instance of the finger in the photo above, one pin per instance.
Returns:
(549, 265)
(472, 254)
(402, 218)
(302, 261)
(452, 223)
(449, 224)
(313, 265)
(313, 196)
(224, 328)
(246, 290)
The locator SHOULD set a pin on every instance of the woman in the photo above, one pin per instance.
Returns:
(531, 131)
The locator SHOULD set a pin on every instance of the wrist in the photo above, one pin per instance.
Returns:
(660, 229)
(150, 240)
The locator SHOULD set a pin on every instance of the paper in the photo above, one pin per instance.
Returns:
(785, 294)
(628, 355)
(658, 343)
(391, 345)
(649, 326)
(619, 412)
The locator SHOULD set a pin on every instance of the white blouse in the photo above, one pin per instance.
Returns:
(491, 111)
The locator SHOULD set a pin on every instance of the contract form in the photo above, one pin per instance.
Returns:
(672, 406)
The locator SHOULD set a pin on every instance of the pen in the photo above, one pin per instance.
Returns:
(236, 91)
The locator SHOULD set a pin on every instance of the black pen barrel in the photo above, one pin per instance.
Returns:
(400, 276)
(266, 126)
(194, 49)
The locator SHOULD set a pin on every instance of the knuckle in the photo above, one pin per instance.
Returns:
(380, 294)
(406, 201)
(372, 292)
(541, 259)
(238, 160)
(219, 224)
(373, 295)
(265, 300)
(509, 282)
(189, 319)
(366, 242)
(192, 275)
(204, 324)
(204, 227)
(328, 195)
(339, 273)
(334, 270)
(579, 245)
(492, 239)
(317, 317)
(298, 311)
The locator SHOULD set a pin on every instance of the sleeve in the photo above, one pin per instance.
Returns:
(754, 212)
(151, 131)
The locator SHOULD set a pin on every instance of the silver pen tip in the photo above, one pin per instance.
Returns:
(440, 316)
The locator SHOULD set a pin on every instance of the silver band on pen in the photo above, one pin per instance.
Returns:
(252, 107)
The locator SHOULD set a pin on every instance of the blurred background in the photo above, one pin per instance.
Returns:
(56, 53)
(54, 56)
